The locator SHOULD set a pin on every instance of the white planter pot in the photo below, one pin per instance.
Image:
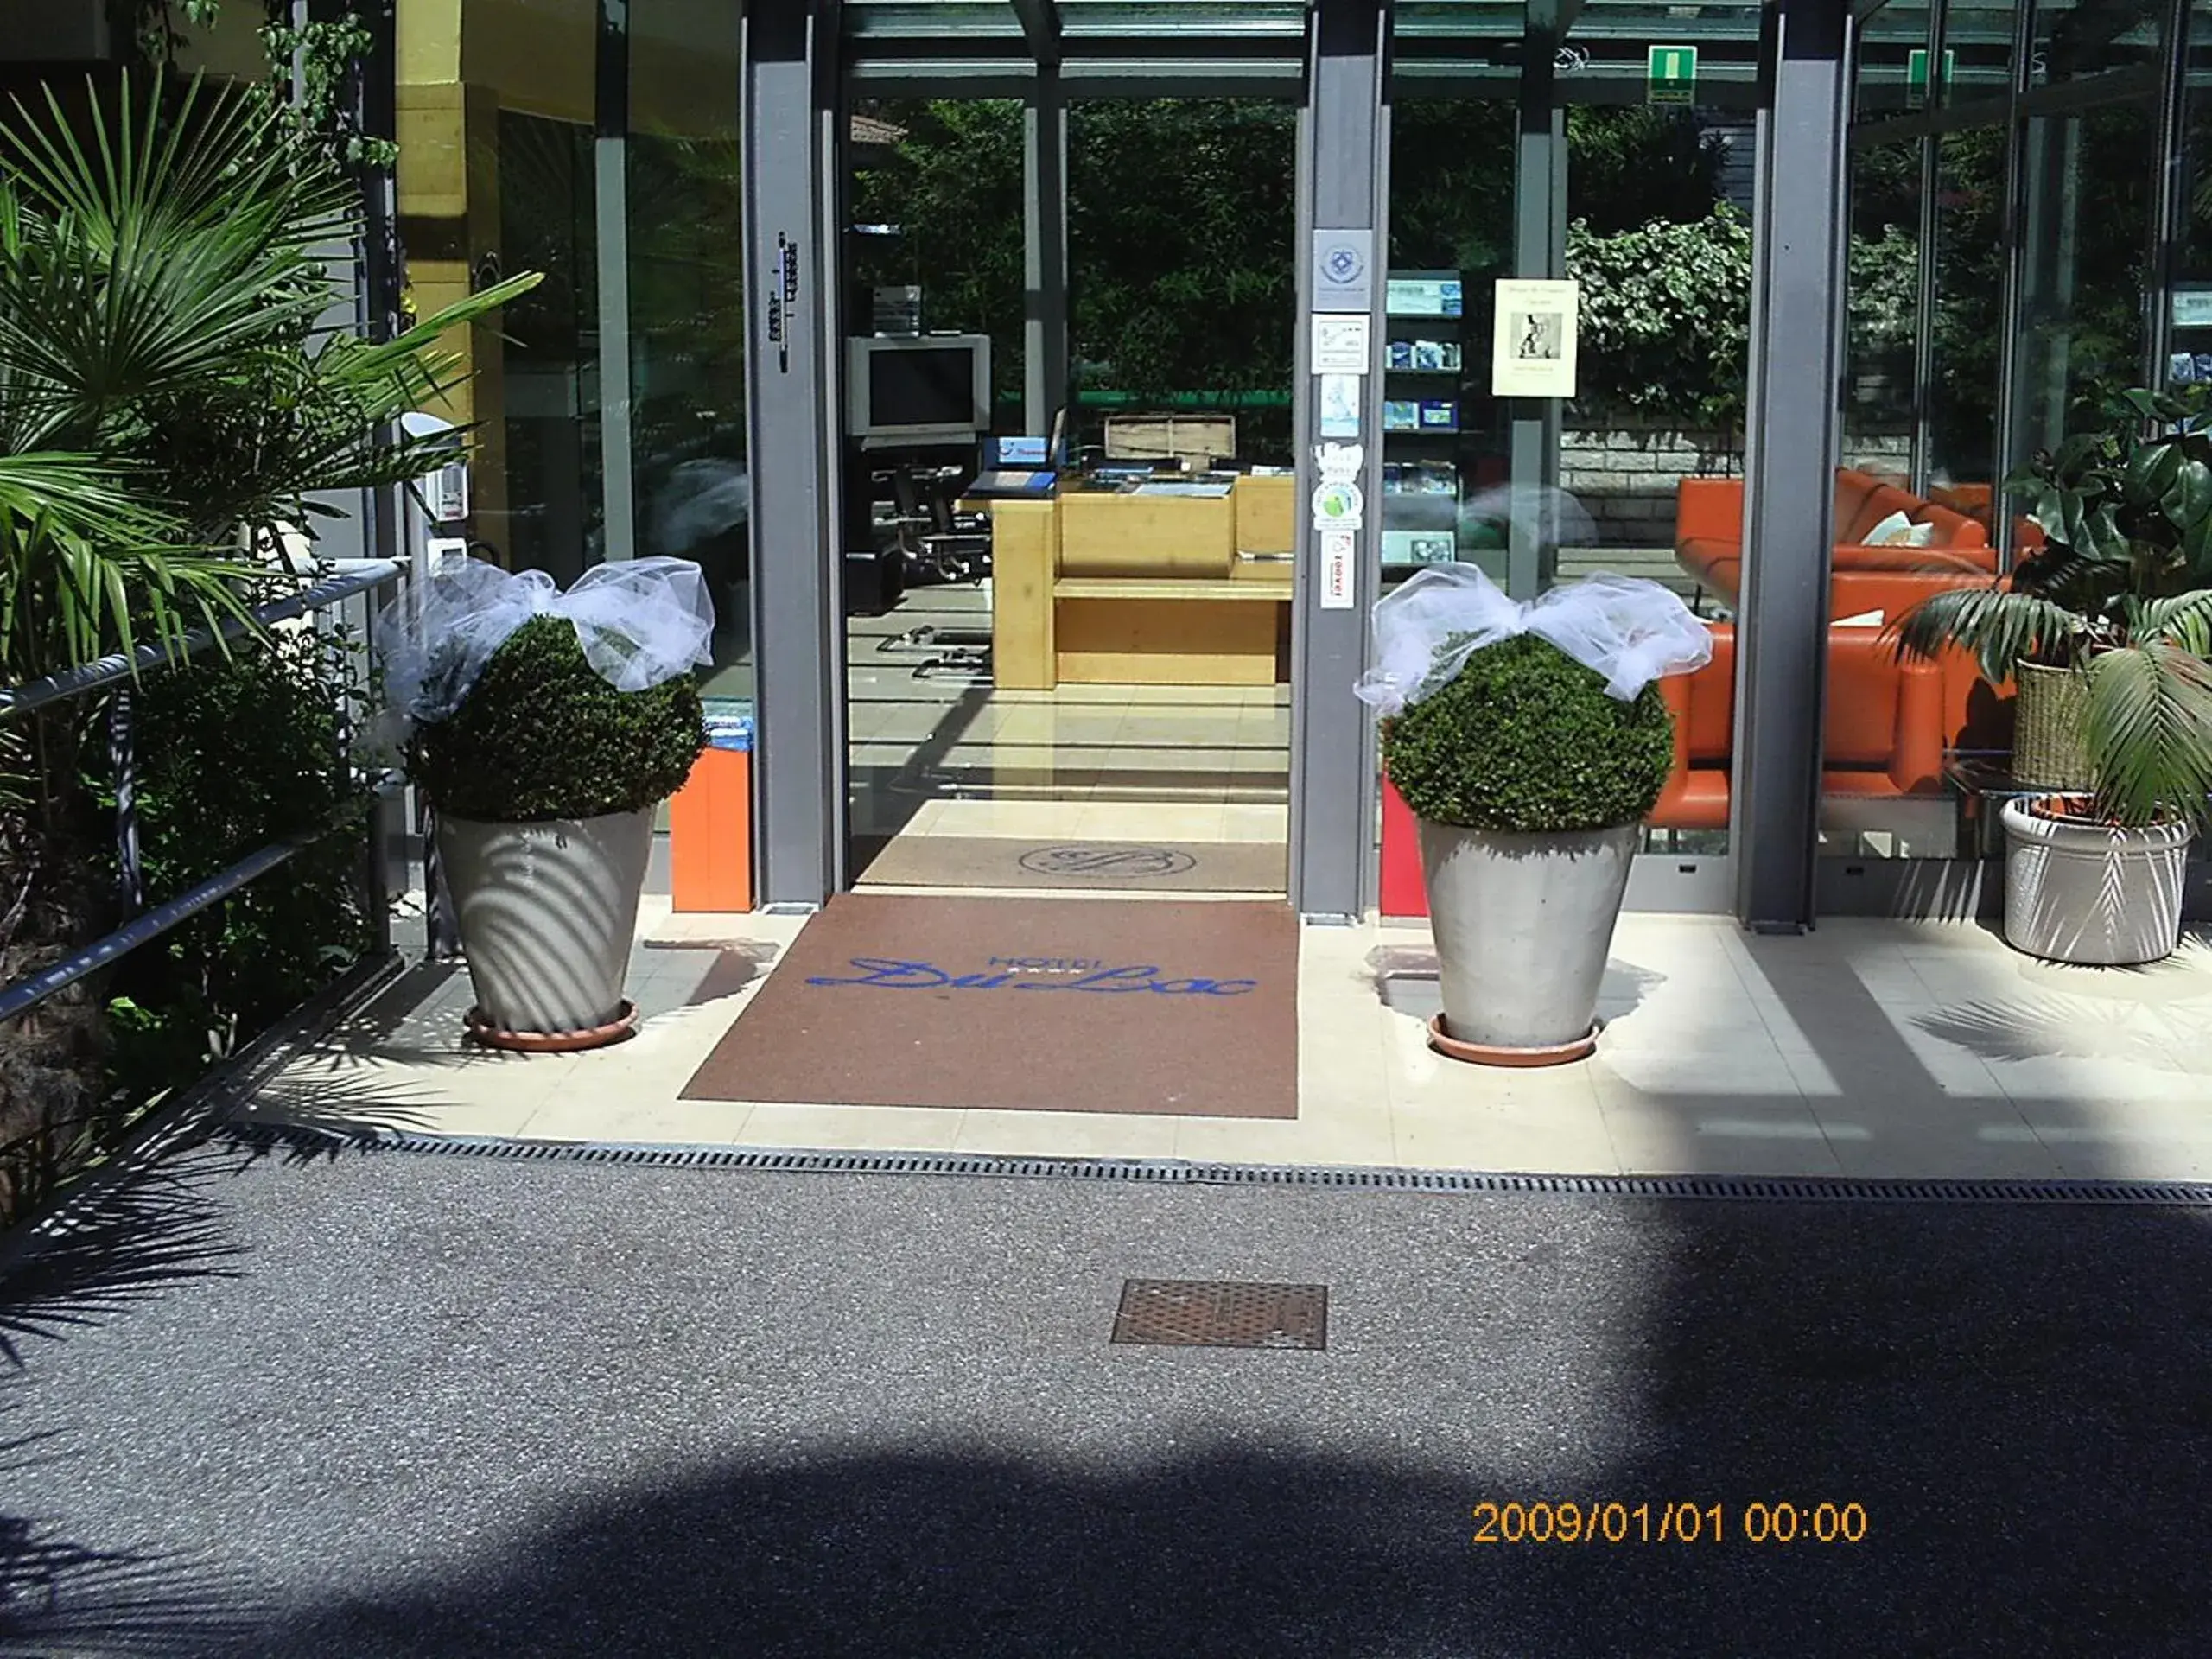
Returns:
(547, 913)
(1523, 925)
(2087, 892)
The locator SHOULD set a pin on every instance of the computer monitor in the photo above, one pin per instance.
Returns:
(918, 389)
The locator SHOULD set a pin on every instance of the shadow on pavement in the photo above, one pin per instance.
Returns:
(2017, 1398)
(2015, 1395)
(151, 1231)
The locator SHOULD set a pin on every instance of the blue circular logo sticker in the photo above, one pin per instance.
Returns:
(1343, 265)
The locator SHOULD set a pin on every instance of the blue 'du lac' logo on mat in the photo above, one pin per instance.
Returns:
(1060, 974)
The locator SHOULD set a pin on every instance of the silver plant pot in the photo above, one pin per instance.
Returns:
(547, 913)
(2080, 892)
(1523, 925)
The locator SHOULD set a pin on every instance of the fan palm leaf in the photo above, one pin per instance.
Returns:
(87, 566)
(164, 285)
(155, 254)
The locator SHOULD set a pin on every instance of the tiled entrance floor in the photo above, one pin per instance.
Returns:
(1868, 1048)
(940, 752)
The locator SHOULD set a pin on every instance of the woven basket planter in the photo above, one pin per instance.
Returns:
(2052, 709)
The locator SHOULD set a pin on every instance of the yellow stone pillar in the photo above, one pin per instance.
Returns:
(448, 198)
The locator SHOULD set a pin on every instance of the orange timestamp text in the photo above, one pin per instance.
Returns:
(1571, 1521)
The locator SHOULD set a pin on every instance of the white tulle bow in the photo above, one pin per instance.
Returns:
(640, 621)
(1629, 630)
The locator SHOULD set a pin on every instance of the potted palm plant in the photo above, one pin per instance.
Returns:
(171, 391)
(546, 729)
(2105, 630)
(1530, 744)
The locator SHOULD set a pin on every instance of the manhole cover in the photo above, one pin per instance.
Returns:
(1202, 1313)
(1119, 862)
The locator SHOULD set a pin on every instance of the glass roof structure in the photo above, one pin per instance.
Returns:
(1252, 43)
(1099, 46)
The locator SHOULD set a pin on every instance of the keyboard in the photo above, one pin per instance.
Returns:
(1011, 483)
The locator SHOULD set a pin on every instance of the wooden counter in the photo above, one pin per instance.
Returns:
(1112, 589)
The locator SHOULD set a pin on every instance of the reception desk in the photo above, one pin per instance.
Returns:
(1116, 587)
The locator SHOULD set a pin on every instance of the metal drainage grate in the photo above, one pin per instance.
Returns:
(1203, 1313)
(301, 1140)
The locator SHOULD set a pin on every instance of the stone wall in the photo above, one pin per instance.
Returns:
(1625, 475)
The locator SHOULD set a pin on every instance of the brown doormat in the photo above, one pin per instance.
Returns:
(1185, 1007)
(1098, 866)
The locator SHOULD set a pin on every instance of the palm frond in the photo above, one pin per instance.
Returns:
(2184, 619)
(88, 568)
(166, 376)
(2149, 734)
(2000, 626)
(154, 254)
(74, 488)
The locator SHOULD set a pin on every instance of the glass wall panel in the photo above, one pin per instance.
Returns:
(1652, 202)
(1657, 231)
(495, 177)
(1879, 407)
(1659, 237)
(2073, 39)
(2085, 241)
(2192, 312)
(1883, 792)
(1892, 62)
(687, 309)
(2193, 235)
(1659, 206)
(1977, 57)
(549, 361)
(2038, 284)
(1451, 221)
(937, 204)
(1967, 332)
(1181, 287)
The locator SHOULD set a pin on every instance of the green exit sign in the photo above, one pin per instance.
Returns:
(1916, 71)
(1672, 74)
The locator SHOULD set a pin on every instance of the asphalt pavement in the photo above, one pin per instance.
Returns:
(386, 1404)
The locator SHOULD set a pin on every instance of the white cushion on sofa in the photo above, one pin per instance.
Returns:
(1896, 530)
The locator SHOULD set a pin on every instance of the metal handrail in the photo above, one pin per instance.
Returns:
(27, 994)
(348, 578)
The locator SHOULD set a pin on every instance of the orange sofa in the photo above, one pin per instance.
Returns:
(1709, 544)
(1888, 723)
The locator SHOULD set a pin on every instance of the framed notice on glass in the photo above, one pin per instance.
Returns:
(1533, 348)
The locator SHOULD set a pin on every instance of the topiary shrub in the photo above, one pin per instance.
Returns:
(1527, 739)
(542, 736)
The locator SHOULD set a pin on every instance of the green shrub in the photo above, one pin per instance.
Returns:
(235, 753)
(1527, 739)
(542, 736)
(1665, 317)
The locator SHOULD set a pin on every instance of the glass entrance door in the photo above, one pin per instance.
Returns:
(1618, 154)
(1068, 630)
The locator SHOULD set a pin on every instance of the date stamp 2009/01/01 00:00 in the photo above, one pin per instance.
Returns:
(1569, 1521)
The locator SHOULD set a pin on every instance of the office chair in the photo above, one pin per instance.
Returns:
(931, 539)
